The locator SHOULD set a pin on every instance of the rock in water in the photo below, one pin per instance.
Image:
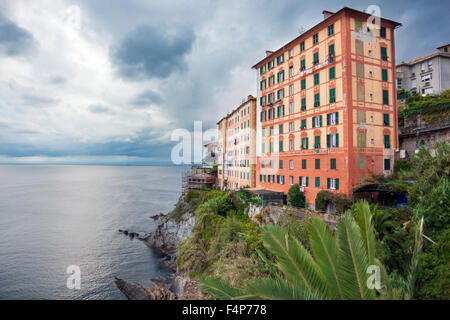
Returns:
(135, 291)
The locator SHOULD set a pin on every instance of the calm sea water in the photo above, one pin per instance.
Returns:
(52, 217)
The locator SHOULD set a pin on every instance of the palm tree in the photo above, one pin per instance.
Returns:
(337, 267)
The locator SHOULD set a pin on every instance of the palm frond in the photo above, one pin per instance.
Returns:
(219, 288)
(363, 217)
(353, 260)
(323, 244)
(293, 259)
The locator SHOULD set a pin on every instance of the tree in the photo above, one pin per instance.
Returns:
(296, 198)
(335, 269)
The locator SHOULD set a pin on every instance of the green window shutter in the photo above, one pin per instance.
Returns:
(360, 70)
(332, 95)
(358, 25)
(328, 119)
(385, 97)
(386, 119)
(316, 79)
(303, 104)
(328, 141)
(331, 49)
(328, 183)
(302, 65)
(320, 120)
(280, 129)
(387, 164)
(303, 83)
(316, 58)
(317, 182)
(307, 181)
(337, 117)
(332, 73)
(307, 143)
(362, 140)
(383, 32)
(337, 184)
(317, 142)
(387, 142)
(302, 46)
(337, 140)
(384, 73)
(313, 122)
(359, 47)
(317, 164)
(333, 164)
(281, 146)
(384, 53)
(281, 164)
(300, 181)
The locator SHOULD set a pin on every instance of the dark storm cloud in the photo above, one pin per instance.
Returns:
(100, 108)
(14, 40)
(147, 98)
(152, 52)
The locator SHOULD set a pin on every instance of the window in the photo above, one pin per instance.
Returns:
(271, 164)
(358, 25)
(360, 70)
(280, 129)
(291, 71)
(386, 119)
(305, 143)
(316, 58)
(333, 164)
(333, 140)
(315, 38)
(359, 48)
(317, 182)
(387, 141)
(316, 79)
(302, 65)
(362, 163)
(385, 97)
(362, 140)
(263, 150)
(332, 183)
(330, 30)
(280, 76)
(384, 56)
(317, 122)
(361, 116)
(332, 118)
(331, 49)
(263, 85)
(303, 125)
(332, 95)
(280, 59)
(303, 181)
(303, 104)
(317, 142)
(291, 145)
(263, 132)
(291, 90)
(387, 164)
(302, 46)
(291, 53)
(303, 84)
(332, 73)
(262, 69)
(317, 100)
(291, 180)
(291, 163)
(280, 146)
(317, 164)
(383, 32)
(291, 108)
(360, 92)
(291, 127)
(281, 164)
(271, 131)
(384, 75)
(270, 65)
(304, 164)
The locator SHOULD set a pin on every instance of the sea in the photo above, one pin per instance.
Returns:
(59, 225)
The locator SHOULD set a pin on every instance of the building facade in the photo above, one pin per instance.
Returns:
(426, 75)
(237, 147)
(327, 107)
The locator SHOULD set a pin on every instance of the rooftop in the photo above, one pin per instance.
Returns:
(328, 15)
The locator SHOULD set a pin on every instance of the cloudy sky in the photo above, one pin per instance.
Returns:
(107, 81)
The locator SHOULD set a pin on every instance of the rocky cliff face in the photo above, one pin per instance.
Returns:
(168, 234)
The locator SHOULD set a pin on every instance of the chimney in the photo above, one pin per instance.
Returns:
(327, 14)
(268, 53)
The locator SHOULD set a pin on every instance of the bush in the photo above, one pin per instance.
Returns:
(322, 200)
(296, 198)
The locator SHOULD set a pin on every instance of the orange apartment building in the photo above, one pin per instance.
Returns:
(236, 147)
(327, 107)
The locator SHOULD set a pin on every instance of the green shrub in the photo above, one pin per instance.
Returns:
(296, 198)
(322, 200)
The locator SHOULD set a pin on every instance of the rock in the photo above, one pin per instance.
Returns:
(135, 291)
(125, 232)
